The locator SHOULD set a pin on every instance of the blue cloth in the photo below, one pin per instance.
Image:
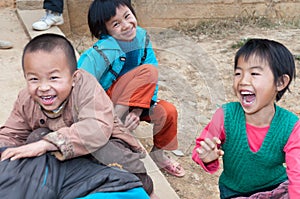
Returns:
(132, 55)
(93, 62)
(136, 193)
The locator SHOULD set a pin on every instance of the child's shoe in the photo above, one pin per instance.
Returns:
(50, 19)
(5, 44)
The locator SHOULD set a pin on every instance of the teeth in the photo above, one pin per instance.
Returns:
(246, 93)
(48, 97)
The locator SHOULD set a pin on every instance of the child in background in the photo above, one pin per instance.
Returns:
(53, 16)
(255, 136)
(80, 120)
(124, 63)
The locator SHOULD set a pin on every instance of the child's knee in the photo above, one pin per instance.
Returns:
(152, 70)
(146, 181)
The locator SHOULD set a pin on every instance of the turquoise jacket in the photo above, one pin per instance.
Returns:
(106, 59)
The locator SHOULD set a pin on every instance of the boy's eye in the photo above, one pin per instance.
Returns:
(237, 73)
(54, 77)
(253, 73)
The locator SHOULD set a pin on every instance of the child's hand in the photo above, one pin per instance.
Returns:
(132, 120)
(209, 150)
(29, 150)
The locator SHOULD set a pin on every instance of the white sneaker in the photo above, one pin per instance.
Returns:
(5, 44)
(50, 19)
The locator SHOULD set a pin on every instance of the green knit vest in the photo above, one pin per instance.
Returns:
(244, 170)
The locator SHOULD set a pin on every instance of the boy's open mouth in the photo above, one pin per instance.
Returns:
(247, 97)
(47, 100)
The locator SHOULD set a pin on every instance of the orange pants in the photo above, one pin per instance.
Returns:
(135, 89)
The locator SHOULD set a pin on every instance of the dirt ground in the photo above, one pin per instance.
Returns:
(195, 70)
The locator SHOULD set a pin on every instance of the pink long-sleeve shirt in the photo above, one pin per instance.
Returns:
(255, 136)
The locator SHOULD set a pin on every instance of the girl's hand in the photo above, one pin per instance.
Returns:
(132, 120)
(209, 150)
(29, 150)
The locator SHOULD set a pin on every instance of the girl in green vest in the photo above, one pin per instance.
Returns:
(259, 142)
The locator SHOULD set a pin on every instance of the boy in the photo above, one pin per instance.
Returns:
(72, 105)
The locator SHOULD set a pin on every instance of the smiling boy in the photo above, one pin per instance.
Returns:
(79, 116)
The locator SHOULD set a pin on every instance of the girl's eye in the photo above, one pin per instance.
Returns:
(115, 25)
(126, 16)
(33, 79)
(255, 74)
(237, 73)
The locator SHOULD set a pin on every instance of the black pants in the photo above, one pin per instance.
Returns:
(54, 5)
(46, 177)
(115, 153)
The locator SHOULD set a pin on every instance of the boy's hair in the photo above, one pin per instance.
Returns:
(101, 11)
(279, 58)
(49, 42)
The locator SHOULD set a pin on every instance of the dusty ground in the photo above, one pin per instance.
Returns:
(195, 74)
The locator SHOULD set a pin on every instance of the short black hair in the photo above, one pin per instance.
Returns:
(279, 58)
(101, 11)
(49, 42)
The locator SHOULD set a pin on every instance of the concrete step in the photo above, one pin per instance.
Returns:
(29, 4)
(162, 187)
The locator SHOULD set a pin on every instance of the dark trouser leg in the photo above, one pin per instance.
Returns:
(118, 153)
(54, 5)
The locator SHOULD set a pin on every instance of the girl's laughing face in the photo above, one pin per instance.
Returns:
(123, 25)
(254, 84)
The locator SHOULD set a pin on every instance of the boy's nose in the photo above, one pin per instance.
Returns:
(44, 87)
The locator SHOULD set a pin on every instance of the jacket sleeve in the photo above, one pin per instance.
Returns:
(214, 129)
(292, 150)
(15, 130)
(92, 62)
(93, 121)
(151, 59)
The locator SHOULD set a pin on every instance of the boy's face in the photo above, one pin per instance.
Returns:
(123, 25)
(48, 77)
(254, 85)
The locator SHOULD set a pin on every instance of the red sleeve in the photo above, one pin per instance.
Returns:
(215, 128)
(292, 156)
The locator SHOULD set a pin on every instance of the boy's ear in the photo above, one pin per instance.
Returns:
(282, 82)
(74, 77)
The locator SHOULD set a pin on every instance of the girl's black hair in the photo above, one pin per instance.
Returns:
(101, 11)
(49, 42)
(279, 58)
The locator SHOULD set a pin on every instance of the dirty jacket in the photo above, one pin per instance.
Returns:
(85, 125)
